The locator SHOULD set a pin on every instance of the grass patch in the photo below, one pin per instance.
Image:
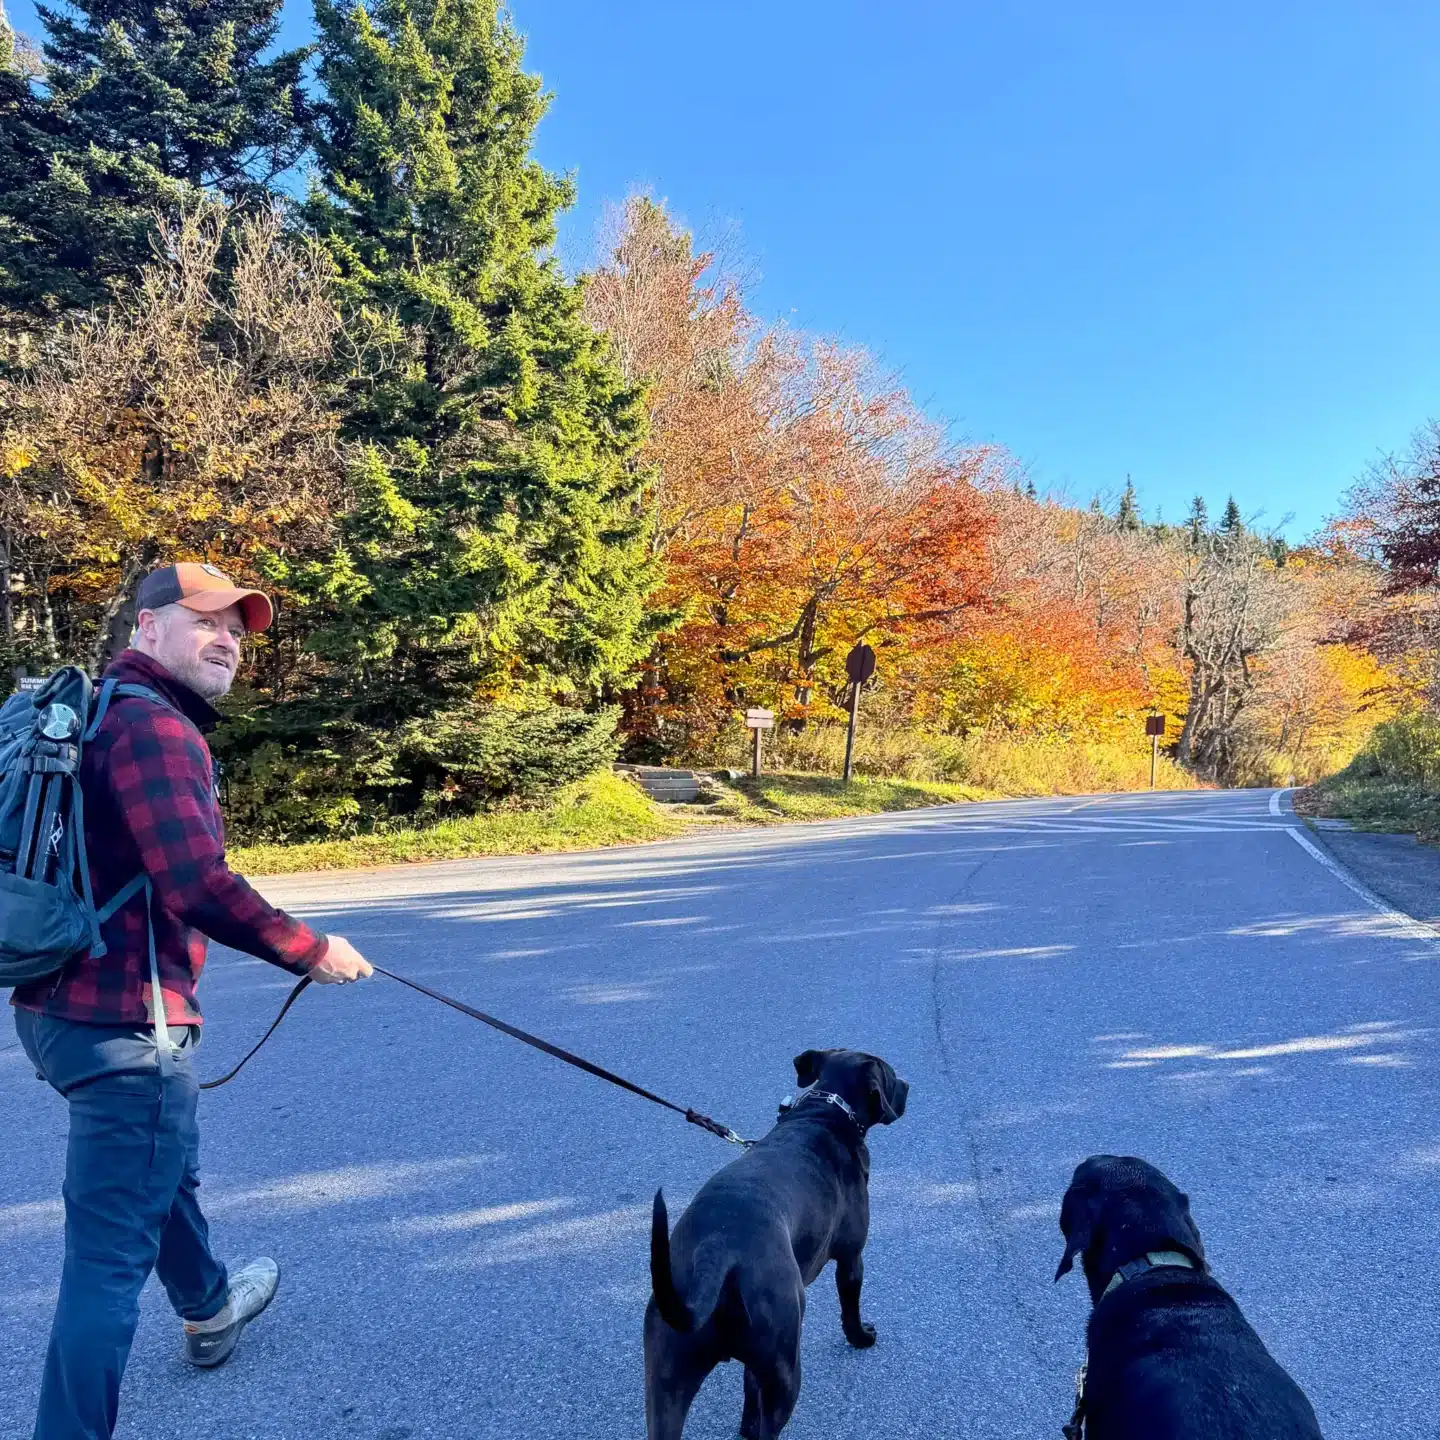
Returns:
(1392, 785)
(776, 798)
(600, 811)
(586, 815)
(1392, 807)
(606, 810)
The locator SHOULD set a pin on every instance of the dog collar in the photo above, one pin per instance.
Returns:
(1152, 1260)
(830, 1098)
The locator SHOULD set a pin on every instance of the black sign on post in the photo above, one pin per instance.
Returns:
(859, 666)
(1154, 728)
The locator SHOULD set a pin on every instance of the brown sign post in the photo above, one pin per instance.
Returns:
(1154, 728)
(859, 666)
(758, 721)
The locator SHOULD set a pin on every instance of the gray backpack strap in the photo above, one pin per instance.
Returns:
(109, 690)
(142, 692)
(102, 704)
(164, 1049)
(123, 896)
(81, 859)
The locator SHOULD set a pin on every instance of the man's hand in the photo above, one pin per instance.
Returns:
(342, 962)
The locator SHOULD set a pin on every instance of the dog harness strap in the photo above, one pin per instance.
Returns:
(1153, 1260)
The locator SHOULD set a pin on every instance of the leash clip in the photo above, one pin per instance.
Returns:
(724, 1132)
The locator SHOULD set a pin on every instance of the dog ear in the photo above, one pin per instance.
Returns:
(809, 1065)
(1067, 1260)
(1198, 1245)
(1077, 1224)
(885, 1100)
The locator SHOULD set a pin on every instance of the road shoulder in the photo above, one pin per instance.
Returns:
(1398, 868)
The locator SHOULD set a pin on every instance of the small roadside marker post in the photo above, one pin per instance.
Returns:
(758, 721)
(859, 666)
(1154, 728)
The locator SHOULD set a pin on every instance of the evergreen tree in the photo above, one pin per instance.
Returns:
(147, 104)
(1127, 515)
(499, 544)
(1232, 522)
(1199, 521)
(27, 136)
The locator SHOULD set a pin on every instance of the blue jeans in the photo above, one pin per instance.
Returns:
(131, 1175)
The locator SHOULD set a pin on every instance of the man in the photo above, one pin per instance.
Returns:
(132, 1165)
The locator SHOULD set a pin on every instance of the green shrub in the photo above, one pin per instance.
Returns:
(1406, 748)
(287, 778)
(474, 757)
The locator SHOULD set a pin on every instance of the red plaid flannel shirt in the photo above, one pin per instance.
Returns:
(150, 804)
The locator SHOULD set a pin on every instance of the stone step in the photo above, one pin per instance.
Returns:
(661, 783)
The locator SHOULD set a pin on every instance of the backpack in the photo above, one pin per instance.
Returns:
(48, 916)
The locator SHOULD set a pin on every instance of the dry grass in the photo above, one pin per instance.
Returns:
(989, 763)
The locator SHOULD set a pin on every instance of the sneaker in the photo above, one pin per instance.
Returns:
(211, 1342)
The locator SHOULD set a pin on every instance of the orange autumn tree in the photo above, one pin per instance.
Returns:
(803, 502)
(1080, 640)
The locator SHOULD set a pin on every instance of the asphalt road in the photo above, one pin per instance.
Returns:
(462, 1222)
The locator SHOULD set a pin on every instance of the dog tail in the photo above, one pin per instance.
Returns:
(667, 1299)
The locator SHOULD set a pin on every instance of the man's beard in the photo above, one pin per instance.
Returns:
(210, 682)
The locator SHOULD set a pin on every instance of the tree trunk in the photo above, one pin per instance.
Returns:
(1194, 714)
(805, 690)
(46, 622)
(117, 619)
(7, 613)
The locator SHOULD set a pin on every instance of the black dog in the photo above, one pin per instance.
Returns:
(730, 1285)
(1171, 1356)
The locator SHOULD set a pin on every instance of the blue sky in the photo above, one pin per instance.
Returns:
(1194, 243)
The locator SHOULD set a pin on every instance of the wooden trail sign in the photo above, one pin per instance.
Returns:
(758, 721)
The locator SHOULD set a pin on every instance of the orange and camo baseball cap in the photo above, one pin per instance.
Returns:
(205, 589)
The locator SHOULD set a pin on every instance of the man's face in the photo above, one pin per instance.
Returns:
(201, 651)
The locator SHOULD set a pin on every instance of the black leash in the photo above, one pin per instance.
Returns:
(1075, 1430)
(694, 1117)
(290, 999)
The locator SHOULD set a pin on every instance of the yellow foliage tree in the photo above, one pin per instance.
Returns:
(191, 420)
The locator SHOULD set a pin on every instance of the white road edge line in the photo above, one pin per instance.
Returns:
(1406, 924)
(1275, 801)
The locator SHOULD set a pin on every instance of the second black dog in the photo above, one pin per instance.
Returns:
(730, 1284)
(1171, 1356)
